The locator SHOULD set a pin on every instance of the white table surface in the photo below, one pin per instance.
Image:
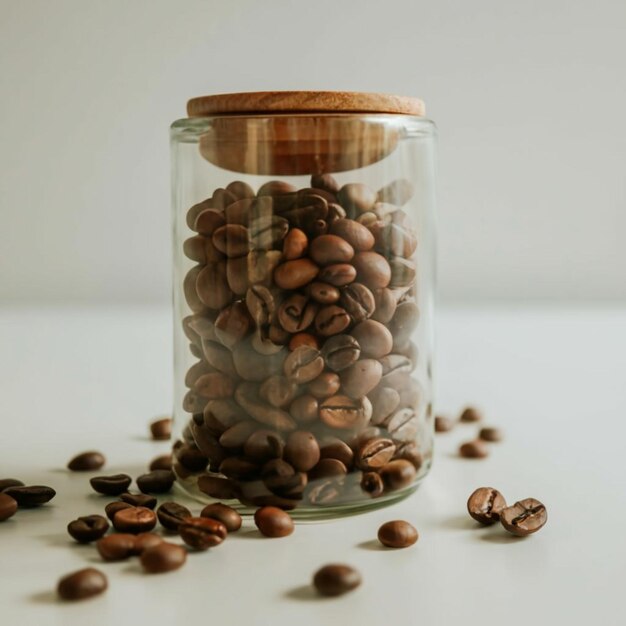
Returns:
(553, 379)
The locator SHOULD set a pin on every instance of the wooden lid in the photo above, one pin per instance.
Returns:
(268, 102)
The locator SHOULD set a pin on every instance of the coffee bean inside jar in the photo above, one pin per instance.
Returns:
(304, 384)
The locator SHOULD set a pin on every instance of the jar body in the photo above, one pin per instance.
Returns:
(303, 309)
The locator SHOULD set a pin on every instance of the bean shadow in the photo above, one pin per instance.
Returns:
(500, 537)
(44, 597)
(303, 593)
(373, 545)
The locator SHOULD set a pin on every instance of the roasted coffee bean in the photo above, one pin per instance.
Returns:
(343, 412)
(161, 429)
(330, 249)
(191, 458)
(5, 483)
(403, 424)
(220, 415)
(224, 514)
(267, 231)
(476, 449)
(304, 409)
(403, 323)
(485, 505)
(358, 301)
(190, 291)
(139, 499)
(28, 497)
(338, 275)
(116, 547)
(237, 274)
(240, 189)
(247, 396)
(143, 541)
(334, 448)
(324, 492)
(490, 434)
(524, 517)
(295, 244)
(325, 385)
(232, 240)
(85, 583)
(233, 324)
(164, 557)
(296, 313)
(335, 580)
(8, 506)
(262, 343)
(113, 507)
(331, 320)
(385, 401)
(357, 235)
(372, 269)
(171, 514)
(373, 484)
(397, 534)
(398, 474)
(302, 450)
(214, 386)
(410, 452)
(278, 390)
(361, 378)
(251, 365)
(402, 272)
(374, 339)
(327, 182)
(202, 533)
(443, 424)
(86, 462)
(158, 481)
(303, 364)
(396, 369)
(221, 198)
(208, 221)
(138, 519)
(276, 188)
(201, 250)
(195, 210)
(88, 528)
(163, 461)
(323, 293)
(340, 351)
(328, 468)
(397, 192)
(385, 305)
(239, 212)
(263, 445)
(295, 274)
(372, 454)
(238, 468)
(276, 469)
(356, 198)
(219, 488)
(471, 414)
(193, 402)
(303, 339)
(261, 265)
(212, 286)
(273, 522)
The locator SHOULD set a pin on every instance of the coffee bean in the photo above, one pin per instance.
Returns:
(238, 468)
(490, 434)
(247, 396)
(443, 424)
(357, 235)
(328, 468)
(278, 390)
(361, 378)
(139, 499)
(143, 541)
(335, 580)
(403, 272)
(294, 244)
(208, 221)
(8, 507)
(296, 313)
(88, 528)
(358, 301)
(323, 292)
(340, 351)
(303, 364)
(162, 558)
(398, 474)
(385, 305)
(410, 452)
(233, 324)
(240, 189)
(372, 269)
(327, 182)
(215, 487)
(135, 520)
(224, 514)
(356, 197)
(403, 424)
(325, 385)
(161, 429)
(84, 583)
(251, 365)
(202, 533)
(303, 339)
(172, 514)
(330, 249)
(295, 274)
(276, 188)
(28, 497)
(374, 338)
(385, 401)
(470, 414)
(485, 505)
(403, 323)
(324, 492)
(116, 547)
(158, 481)
(476, 449)
(5, 483)
(524, 517)
(190, 458)
(302, 450)
(214, 386)
(397, 192)
(331, 320)
(334, 448)
(263, 445)
(212, 286)
(273, 522)
(339, 275)
(372, 483)
(397, 534)
(113, 507)
(231, 240)
(267, 231)
(304, 409)
(86, 462)
(374, 453)
(343, 412)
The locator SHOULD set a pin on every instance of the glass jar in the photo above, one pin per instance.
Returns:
(303, 299)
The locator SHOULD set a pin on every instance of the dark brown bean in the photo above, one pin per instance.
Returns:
(212, 286)
(302, 450)
(5, 483)
(208, 221)
(138, 519)
(295, 244)
(335, 580)
(356, 197)
(116, 547)
(325, 385)
(372, 483)
(172, 514)
(328, 468)
(295, 274)
(164, 461)
(330, 249)
(304, 409)
(164, 557)
(224, 514)
(233, 324)
(232, 240)
(476, 449)
(139, 499)
(334, 448)
(323, 293)
(327, 182)
(273, 522)
(470, 414)
(247, 396)
(32, 496)
(296, 313)
(338, 275)
(190, 291)
(398, 474)
(340, 351)
(397, 534)
(143, 541)
(8, 507)
(202, 533)
(331, 320)
(443, 424)
(113, 507)
(161, 429)
(88, 528)
(410, 452)
(240, 189)
(524, 517)
(263, 445)
(490, 434)
(86, 462)
(485, 505)
(158, 481)
(85, 583)
(216, 487)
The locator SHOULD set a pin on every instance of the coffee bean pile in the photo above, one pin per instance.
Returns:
(303, 304)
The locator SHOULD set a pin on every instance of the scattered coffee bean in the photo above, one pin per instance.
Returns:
(143, 541)
(84, 583)
(161, 429)
(202, 533)
(524, 517)
(29, 497)
(336, 579)
(485, 505)
(116, 547)
(224, 514)
(8, 507)
(397, 534)
(111, 485)
(5, 483)
(490, 434)
(443, 424)
(139, 499)
(163, 462)
(476, 449)
(135, 520)
(164, 557)
(113, 507)
(88, 528)
(157, 481)
(470, 414)
(172, 514)
(86, 462)
(273, 522)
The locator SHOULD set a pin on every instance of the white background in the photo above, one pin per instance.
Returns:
(529, 98)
